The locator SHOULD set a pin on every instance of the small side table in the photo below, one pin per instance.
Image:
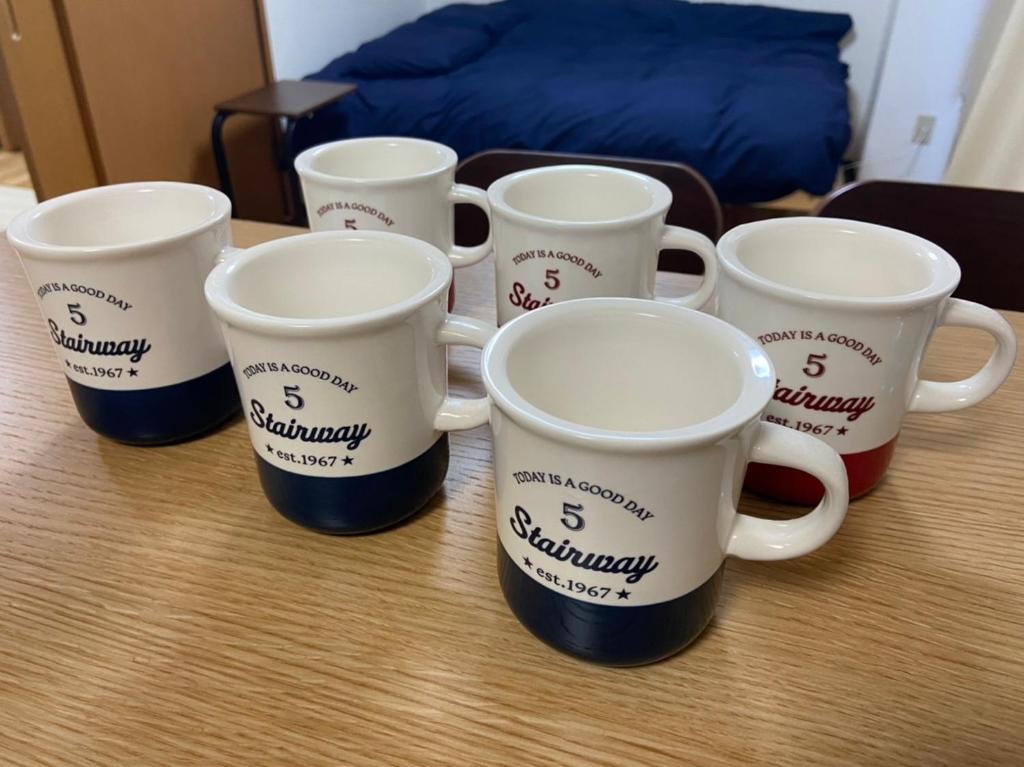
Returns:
(291, 99)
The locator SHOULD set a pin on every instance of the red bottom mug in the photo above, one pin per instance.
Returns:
(845, 311)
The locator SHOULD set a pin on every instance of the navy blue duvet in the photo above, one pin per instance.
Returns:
(752, 97)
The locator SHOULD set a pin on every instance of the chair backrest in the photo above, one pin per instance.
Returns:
(694, 204)
(983, 229)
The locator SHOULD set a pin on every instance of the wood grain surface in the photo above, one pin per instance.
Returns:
(155, 610)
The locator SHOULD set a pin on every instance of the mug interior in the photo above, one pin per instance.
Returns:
(311, 277)
(381, 159)
(626, 371)
(580, 195)
(839, 260)
(122, 215)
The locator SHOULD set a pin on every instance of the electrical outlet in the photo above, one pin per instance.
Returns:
(923, 129)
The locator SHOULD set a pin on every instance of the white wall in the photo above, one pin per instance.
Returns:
(924, 74)
(305, 35)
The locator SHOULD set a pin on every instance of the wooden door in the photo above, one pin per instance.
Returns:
(150, 72)
(10, 124)
(55, 139)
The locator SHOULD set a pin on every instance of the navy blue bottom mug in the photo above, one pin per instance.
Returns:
(614, 636)
(357, 504)
(622, 431)
(339, 340)
(162, 415)
(118, 272)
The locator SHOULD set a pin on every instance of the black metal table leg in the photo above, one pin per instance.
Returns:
(220, 158)
(287, 164)
(287, 100)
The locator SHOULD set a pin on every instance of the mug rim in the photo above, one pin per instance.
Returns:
(20, 237)
(941, 285)
(755, 393)
(305, 160)
(660, 193)
(218, 286)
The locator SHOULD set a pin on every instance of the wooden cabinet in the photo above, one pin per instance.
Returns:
(123, 90)
(10, 124)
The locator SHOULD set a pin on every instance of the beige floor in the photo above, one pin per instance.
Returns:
(798, 202)
(16, 192)
(13, 171)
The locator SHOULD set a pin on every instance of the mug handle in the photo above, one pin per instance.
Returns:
(678, 238)
(462, 255)
(939, 396)
(459, 413)
(766, 539)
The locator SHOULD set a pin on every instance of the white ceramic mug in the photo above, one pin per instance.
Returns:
(118, 272)
(845, 310)
(622, 429)
(338, 344)
(389, 184)
(577, 231)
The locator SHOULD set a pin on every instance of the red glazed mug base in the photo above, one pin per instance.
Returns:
(780, 483)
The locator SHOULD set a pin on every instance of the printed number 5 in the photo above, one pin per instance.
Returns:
(292, 398)
(75, 310)
(571, 517)
(551, 281)
(814, 367)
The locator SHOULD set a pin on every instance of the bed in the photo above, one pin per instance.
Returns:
(753, 97)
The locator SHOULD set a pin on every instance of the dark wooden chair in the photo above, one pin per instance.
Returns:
(983, 229)
(694, 204)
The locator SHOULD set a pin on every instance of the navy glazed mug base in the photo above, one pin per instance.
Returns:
(613, 636)
(162, 415)
(359, 504)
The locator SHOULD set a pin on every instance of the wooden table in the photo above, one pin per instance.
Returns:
(154, 610)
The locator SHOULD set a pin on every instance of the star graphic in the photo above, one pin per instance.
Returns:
(841, 431)
(133, 372)
(623, 594)
(67, 362)
(270, 448)
(527, 562)
(347, 460)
